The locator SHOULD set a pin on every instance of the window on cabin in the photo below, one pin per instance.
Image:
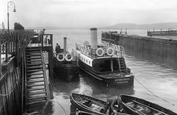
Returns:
(106, 65)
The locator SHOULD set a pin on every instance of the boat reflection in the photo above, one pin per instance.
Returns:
(64, 87)
(99, 89)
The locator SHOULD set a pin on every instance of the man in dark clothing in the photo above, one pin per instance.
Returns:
(112, 109)
(40, 35)
(57, 48)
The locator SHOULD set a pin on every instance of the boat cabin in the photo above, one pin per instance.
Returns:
(106, 65)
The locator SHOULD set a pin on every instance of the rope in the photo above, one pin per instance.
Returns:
(8, 93)
(153, 93)
(59, 102)
(58, 79)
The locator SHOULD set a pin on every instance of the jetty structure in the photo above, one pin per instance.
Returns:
(168, 32)
(24, 78)
(160, 49)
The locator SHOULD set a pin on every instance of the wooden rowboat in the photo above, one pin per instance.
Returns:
(88, 104)
(84, 113)
(137, 106)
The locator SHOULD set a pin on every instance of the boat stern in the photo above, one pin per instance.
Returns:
(122, 80)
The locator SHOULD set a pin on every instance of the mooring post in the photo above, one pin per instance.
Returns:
(0, 55)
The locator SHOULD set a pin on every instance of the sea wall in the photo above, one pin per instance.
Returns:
(162, 50)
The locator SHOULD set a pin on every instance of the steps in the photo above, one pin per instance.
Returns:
(35, 80)
(122, 65)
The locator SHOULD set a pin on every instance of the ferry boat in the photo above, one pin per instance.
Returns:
(65, 67)
(104, 62)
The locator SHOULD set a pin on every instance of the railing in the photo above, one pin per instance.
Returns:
(44, 40)
(45, 77)
(47, 40)
(117, 51)
(12, 47)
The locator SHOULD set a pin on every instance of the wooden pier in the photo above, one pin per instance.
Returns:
(163, 50)
(168, 32)
(25, 71)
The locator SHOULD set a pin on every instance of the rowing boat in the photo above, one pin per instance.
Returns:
(88, 104)
(138, 106)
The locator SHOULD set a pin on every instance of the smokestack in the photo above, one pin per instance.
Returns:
(93, 33)
(65, 44)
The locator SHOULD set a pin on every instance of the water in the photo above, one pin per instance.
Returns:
(155, 82)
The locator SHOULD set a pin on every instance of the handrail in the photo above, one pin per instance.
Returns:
(23, 80)
(87, 50)
(45, 77)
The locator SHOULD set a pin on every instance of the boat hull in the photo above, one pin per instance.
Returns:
(114, 81)
(146, 107)
(82, 107)
(67, 72)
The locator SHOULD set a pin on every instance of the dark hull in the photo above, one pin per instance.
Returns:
(151, 108)
(67, 72)
(82, 107)
(118, 81)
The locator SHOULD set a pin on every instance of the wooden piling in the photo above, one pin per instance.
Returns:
(163, 49)
(11, 92)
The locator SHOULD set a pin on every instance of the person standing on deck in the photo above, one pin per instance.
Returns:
(57, 48)
(40, 35)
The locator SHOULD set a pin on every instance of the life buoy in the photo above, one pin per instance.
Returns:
(99, 52)
(60, 57)
(86, 43)
(110, 51)
(68, 57)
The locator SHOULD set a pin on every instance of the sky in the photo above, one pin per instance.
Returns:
(87, 13)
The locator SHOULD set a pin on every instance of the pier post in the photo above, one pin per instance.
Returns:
(0, 57)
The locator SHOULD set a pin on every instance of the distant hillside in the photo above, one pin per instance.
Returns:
(58, 28)
(158, 26)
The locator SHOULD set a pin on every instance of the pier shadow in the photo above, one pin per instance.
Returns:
(41, 109)
(60, 86)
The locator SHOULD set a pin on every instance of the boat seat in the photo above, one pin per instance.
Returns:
(149, 109)
(87, 103)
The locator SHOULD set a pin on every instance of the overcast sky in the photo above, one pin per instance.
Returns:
(89, 13)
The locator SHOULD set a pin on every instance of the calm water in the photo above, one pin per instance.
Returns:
(155, 82)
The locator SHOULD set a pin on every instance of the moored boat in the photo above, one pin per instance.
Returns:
(84, 113)
(65, 67)
(138, 106)
(88, 104)
(104, 62)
